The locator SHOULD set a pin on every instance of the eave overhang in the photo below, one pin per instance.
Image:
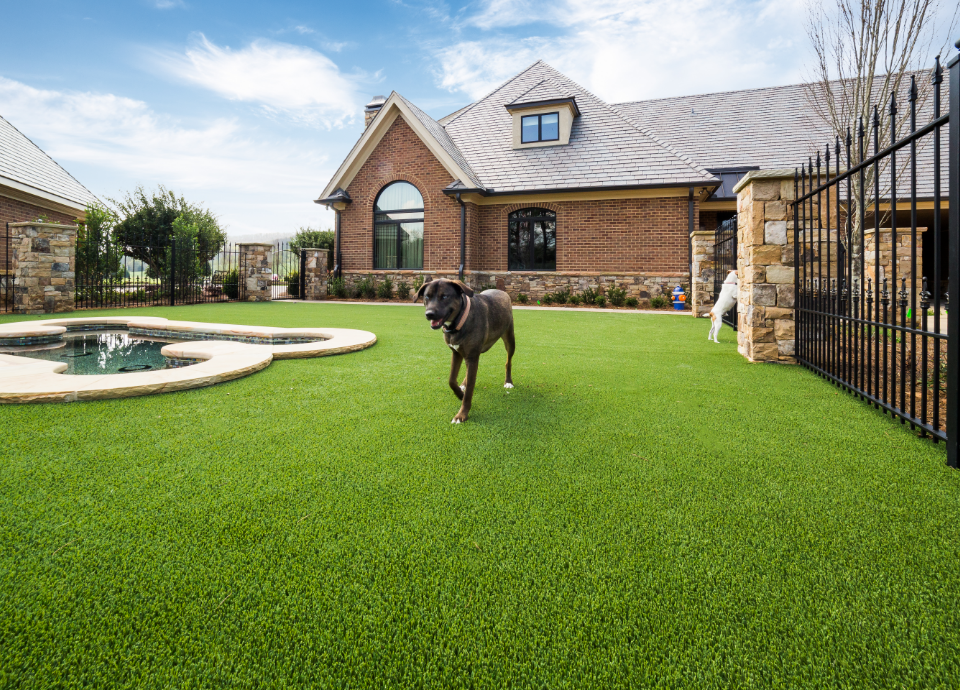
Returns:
(571, 102)
(338, 200)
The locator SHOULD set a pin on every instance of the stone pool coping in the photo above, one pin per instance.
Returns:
(25, 380)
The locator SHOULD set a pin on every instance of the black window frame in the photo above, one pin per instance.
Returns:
(543, 215)
(398, 223)
(539, 117)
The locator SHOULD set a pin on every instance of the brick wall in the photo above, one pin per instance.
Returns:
(401, 155)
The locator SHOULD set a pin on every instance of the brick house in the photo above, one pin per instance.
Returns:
(541, 184)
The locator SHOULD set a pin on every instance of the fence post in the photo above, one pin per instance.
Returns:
(257, 261)
(953, 243)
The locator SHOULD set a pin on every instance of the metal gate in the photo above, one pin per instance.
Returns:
(286, 281)
(871, 313)
(725, 252)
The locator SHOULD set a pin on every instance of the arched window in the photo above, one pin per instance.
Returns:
(398, 227)
(533, 240)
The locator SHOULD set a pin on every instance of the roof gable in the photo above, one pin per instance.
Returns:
(24, 166)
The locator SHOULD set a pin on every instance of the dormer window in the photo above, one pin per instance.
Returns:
(544, 127)
(543, 116)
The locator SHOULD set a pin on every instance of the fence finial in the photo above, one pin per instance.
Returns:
(893, 107)
(913, 88)
(937, 71)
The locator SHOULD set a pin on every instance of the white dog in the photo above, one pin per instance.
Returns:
(725, 301)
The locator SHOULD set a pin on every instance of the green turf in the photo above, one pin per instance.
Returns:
(644, 509)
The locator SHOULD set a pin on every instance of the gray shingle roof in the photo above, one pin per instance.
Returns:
(606, 149)
(440, 134)
(23, 161)
(546, 90)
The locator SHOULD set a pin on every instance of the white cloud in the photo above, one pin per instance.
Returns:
(283, 79)
(634, 49)
(168, 4)
(253, 182)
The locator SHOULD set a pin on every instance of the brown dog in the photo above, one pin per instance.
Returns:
(471, 325)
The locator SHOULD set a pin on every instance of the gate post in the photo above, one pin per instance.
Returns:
(314, 273)
(256, 258)
(953, 315)
(43, 264)
(704, 267)
(765, 267)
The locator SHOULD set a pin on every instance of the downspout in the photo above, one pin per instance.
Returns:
(690, 238)
(338, 268)
(463, 235)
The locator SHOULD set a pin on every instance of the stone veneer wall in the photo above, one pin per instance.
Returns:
(704, 270)
(765, 266)
(43, 263)
(904, 243)
(257, 262)
(315, 276)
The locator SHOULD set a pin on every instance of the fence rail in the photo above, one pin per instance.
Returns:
(871, 311)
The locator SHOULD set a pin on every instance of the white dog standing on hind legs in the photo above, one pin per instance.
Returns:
(725, 302)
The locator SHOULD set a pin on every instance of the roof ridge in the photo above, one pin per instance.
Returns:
(50, 158)
(480, 100)
(420, 113)
(647, 133)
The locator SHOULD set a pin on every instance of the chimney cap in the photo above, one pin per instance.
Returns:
(375, 103)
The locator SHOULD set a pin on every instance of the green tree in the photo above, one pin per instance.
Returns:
(98, 259)
(310, 238)
(147, 229)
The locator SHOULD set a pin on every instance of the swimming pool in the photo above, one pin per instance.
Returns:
(101, 352)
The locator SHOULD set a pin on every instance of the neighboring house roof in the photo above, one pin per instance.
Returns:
(25, 167)
(605, 150)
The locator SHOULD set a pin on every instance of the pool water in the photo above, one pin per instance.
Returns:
(99, 352)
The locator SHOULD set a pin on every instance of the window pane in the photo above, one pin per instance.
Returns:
(549, 258)
(385, 246)
(399, 216)
(519, 245)
(411, 245)
(529, 128)
(550, 127)
(399, 195)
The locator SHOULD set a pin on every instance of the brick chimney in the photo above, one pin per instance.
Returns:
(372, 108)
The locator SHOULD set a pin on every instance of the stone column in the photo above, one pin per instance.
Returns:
(316, 276)
(256, 260)
(765, 266)
(704, 269)
(904, 241)
(44, 263)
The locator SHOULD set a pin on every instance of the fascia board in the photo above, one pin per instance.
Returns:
(39, 195)
(369, 140)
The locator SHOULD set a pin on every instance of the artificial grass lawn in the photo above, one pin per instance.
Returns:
(644, 509)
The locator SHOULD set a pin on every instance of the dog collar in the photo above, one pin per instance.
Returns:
(465, 312)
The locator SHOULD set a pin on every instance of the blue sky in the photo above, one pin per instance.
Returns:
(250, 107)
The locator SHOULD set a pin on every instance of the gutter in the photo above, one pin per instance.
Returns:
(463, 234)
(564, 190)
(690, 238)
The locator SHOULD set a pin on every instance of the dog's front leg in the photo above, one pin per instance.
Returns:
(472, 365)
(455, 374)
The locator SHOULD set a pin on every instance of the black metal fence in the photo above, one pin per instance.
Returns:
(288, 273)
(871, 312)
(113, 274)
(6, 270)
(725, 254)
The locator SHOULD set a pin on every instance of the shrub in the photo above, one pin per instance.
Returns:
(562, 295)
(617, 296)
(385, 289)
(418, 283)
(548, 298)
(631, 302)
(522, 298)
(600, 301)
(403, 290)
(576, 299)
(659, 302)
(365, 288)
(337, 287)
(589, 296)
(293, 284)
(231, 284)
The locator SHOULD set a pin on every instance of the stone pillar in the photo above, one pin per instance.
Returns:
(904, 241)
(316, 276)
(765, 266)
(256, 259)
(43, 262)
(704, 269)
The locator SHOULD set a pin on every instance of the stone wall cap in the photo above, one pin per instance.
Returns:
(900, 231)
(702, 233)
(773, 174)
(315, 249)
(255, 244)
(37, 224)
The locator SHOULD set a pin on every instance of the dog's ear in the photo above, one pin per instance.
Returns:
(417, 297)
(464, 289)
